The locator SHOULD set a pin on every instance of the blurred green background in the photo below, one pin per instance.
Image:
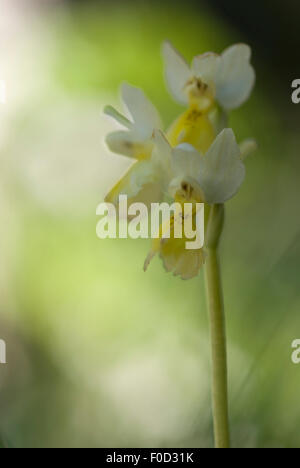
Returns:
(100, 354)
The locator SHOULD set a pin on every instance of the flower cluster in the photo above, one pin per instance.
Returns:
(197, 160)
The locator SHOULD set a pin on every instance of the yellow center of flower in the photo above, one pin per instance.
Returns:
(172, 249)
(189, 194)
(200, 94)
(193, 127)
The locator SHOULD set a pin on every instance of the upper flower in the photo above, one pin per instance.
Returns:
(227, 79)
(134, 142)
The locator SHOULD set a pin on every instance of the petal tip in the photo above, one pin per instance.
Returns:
(148, 260)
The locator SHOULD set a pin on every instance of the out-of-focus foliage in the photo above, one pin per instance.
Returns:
(99, 353)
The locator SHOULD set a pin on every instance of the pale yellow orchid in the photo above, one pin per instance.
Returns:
(211, 178)
(136, 142)
(211, 86)
(226, 79)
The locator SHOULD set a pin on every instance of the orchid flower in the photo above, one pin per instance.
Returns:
(136, 142)
(211, 178)
(226, 79)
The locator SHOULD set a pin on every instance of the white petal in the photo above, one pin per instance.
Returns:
(186, 161)
(223, 170)
(205, 66)
(162, 151)
(112, 112)
(139, 184)
(122, 142)
(235, 77)
(186, 164)
(143, 112)
(177, 72)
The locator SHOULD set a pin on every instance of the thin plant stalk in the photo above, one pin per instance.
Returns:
(217, 328)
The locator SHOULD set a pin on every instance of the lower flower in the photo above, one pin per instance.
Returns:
(175, 236)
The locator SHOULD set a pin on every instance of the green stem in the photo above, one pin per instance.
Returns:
(217, 328)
